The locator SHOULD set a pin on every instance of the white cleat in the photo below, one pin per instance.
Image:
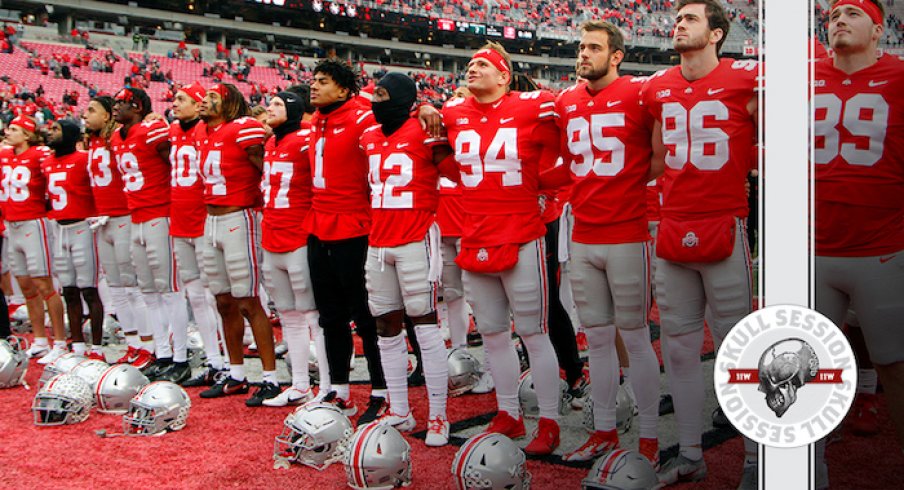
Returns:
(37, 351)
(53, 355)
(404, 423)
(290, 396)
(437, 431)
(681, 469)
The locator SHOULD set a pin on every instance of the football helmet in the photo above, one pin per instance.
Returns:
(90, 370)
(624, 411)
(61, 366)
(13, 361)
(158, 407)
(490, 460)
(527, 396)
(621, 470)
(313, 435)
(378, 457)
(117, 386)
(64, 399)
(464, 371)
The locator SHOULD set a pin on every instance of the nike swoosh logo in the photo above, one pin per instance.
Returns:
(401, 145)
(338, 130)
(233, 229)
(123, 225)
(229, 391)
(613, 103)
(155, 224)
(714, 91)
(506, 120)
(877, 84)
(883, 260)
(28, 235)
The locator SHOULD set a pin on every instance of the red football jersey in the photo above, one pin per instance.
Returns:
(341, 204)
(654, 200)
(106, 181)
(499, 148)
(69, 187)
(708, 133)
(449, 213)
(403, 183)
(145, 175)
(287, 192)
(24, 187)
(186, 185)
(606, 144)
(859, 134)
(230, 179)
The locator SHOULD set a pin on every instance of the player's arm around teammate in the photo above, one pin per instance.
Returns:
(30, 236)
(232, 152)
(403, 262)
(75, 251)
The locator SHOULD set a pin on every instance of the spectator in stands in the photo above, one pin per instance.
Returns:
(136, 39)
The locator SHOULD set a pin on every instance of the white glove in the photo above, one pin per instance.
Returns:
(98, 221)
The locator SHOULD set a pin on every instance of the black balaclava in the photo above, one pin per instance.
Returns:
(393, 113)
(294, 112)
(71, 134)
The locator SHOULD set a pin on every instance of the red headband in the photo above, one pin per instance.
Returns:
(24, 123)
(868, 7)
(195, 91)
(124, 95)
(494, 58)
(218, 88)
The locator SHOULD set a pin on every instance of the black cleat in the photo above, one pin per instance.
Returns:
(666, 406)
(265, 391)
(226, 386)
(417, 378)
(720, 421)
(156, 368)
(177, 372)
(376, 407)
(207, 377)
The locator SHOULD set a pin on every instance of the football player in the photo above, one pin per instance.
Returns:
(24, 198)
(499, 138)
(187, 225)
(287, 199)
(142, 150)
(232, 158)
(339, 222)
(75, 254)
(607, 149)
(858, 127)
(113, 229)
(705, 113)
(403, 258)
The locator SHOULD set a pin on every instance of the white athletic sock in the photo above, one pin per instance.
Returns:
(297, 335)
(544, 368)
(867, 380)
(685, 373)
(458, 322)
(78, 348)
(61, 344)
(237, 372)
(270, 377)
(504, 368)
(644, 383)
(124, 312)
(139, 312)
(207, 324)
(436, 367)
(394, 359)
(342, 391)
(176, 312)
(97, 349)
(221, 333)
(313, 320)
(158, 324)
(41, 341)
(603, 373)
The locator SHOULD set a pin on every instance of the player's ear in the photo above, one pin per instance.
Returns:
(716, 35)
(617, 58)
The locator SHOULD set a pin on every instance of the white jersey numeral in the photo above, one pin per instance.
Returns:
(584, 136)
(132, 178)
(829, 111)
(213, 174)
(183, 166)
(58, 196)
(15, 183)
(100, 157)
(473, 168)
(285, 171)
(703, 147)
(318, 180)
(383, 192)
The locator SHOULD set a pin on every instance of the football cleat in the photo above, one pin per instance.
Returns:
(142, 359)
(37, 351)
(226, 386)
(290, 396)
(127, 358)
(863, 419)
(599, 443)
(648, 447)
(402, 423)
(376, 407)
(265, 391)
(546, 438)
(437, 432)
(347, 407)
(682, 469)
(505, 424)
(207, 377)
(53, 355)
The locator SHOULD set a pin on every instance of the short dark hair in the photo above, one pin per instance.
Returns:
(143, 100)
(715, 17)
(616, 39)
(303, 91)
(341, 73)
